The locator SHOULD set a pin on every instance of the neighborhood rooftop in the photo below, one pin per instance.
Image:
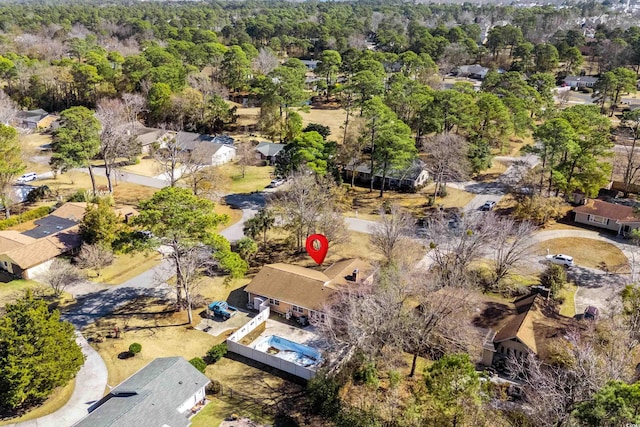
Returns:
(149, 398)
(604, 209)
(303, 286)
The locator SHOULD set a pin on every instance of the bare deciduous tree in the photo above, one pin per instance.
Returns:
(116, 135)
(193, 260)
(454, 246)
(246, 155)
(447, 159)
(581, 363)
(306, 198)
(391, 234)
(205, 181)
(60, 275)
(170, 157)
(265, 62)
(94, 257)
(511, 243)
(8, 108)
(628, 163)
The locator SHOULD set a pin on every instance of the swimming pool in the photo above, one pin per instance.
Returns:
(282, 348)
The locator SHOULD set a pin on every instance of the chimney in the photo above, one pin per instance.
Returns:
(354, 275)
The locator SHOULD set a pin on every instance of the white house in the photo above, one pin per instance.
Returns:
(166, 392)
(580, 81)
(204, 150)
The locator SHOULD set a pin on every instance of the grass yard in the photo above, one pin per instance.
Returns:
(256, 178)
(357, 246)
(153, 324)
(222, 407)
(568, 306)
(334, 118)
(11, 290)
(147, 167)
(234, 215)
(126, 267)
(254, 388)
(55, 401)
(587, 253)
(215, 289)
(131, 194)
(497, 168)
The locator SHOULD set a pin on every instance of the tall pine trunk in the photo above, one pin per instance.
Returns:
(93, 180)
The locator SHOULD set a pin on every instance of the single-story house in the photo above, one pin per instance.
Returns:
(203, 150)
(147, 137)
(269, 151)
(213, 154)
(474, 71)
(580, 81)
(296, 291)
(526, 327)
(311, 64)
(34, 119)
(410, 178)
(31, 252)
(610, 216)
(166, 392)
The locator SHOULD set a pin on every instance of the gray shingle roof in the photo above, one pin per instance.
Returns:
(411, 172)
(269, 149)
(150, 397)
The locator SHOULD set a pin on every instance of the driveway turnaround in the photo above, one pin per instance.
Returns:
(90, 386)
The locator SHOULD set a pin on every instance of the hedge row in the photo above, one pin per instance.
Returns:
(24, 217)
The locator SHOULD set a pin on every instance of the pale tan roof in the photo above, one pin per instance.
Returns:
(302, 286)
(73, 211)
(42, 250)
(11, 239)
(531, 326)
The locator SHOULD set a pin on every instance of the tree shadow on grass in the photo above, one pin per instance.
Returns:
(86, 309)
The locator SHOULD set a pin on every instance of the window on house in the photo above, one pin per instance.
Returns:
(596, 219)
(274, 301)
(297, 309)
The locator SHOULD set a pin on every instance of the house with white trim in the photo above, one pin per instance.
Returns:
(166, 392)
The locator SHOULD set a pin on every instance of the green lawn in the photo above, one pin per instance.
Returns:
(14, 289)
(220, 408)
(256, 178)
(568, 306)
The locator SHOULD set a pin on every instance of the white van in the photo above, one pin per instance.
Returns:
(31, 176)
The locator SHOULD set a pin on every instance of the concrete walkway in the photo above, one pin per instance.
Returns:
(90, 386)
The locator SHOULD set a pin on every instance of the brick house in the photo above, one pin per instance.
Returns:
(296, 291)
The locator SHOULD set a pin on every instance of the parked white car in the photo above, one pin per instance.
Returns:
(561, 259)
(27, 177)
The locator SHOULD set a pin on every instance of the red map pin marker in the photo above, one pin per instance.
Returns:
(317, 247)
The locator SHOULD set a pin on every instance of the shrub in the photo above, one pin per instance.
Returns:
(24, 217)
(135, 348)
(214, 387)
(216, 352)
(199, 364)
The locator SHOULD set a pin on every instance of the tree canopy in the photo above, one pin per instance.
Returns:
(38, 352)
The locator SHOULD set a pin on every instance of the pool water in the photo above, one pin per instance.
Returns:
(282, 348)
